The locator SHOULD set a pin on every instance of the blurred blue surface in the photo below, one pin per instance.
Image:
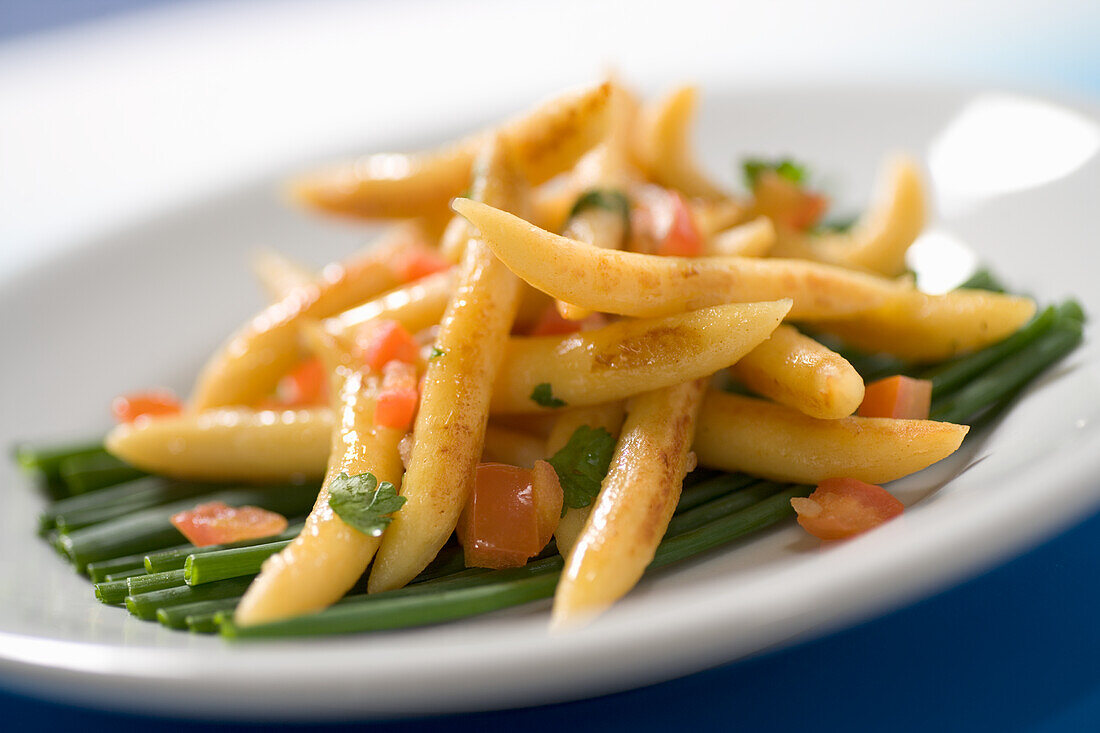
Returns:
(20, 17)
(1015, 649)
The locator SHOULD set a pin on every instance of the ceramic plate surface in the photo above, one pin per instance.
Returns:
(1016, 179)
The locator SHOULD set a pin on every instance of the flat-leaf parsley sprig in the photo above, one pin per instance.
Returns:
(582, 464)
(364, 503)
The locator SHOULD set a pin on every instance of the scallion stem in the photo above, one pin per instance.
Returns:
(451, 599)
(84, 473)
(98, 571)
(711, 489)
(149, 582)
(125, 574)
(231, 563)
(111, 591)
(146, 605)
(721, 506)
(174, 558)
(1009, 376)
(177, 617)
(949, 377)
(151, 529)
(46, 459)
(205, 623)
(98, 506)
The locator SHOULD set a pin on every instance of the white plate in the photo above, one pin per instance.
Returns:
(1018, 181)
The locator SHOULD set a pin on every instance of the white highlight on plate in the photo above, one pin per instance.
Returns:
(1001, 143)
(941, 261)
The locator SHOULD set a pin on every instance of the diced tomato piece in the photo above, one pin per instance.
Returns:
(844, 507)
(662, 223)
(551, 323)
(898, 397)
(395, 406)
(306, 385)
(417, 262)
(385, 341)
(499, 528)
(128, 408)
(809, 211)
(788, 203)
(548, 500)
(681, 238)
(216, 523)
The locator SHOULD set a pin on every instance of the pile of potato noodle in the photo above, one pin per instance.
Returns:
(657, 332)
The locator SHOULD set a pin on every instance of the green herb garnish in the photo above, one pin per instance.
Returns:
(364, 503)
(543, 396)
(608, 199)
(436, 353)
(783, 167)
(582, 464)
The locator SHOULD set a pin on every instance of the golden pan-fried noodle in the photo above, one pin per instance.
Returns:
(650, 329)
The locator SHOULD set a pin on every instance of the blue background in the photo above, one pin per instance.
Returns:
(1015, 649)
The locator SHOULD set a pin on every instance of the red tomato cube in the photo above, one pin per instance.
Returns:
(499, 527)
(130, 407)
(844, 507)
(417, 262)
(682, 237)
(217, 523)
(395, 406)
(898, 397)
(548, 500)
(384, 341)
(305, 386)
(787, 203)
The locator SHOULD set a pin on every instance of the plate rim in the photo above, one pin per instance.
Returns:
(32, 663)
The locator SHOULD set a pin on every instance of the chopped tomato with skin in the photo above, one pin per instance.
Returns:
(809, 211)
(662, 223)
(787, 203)
(386, 341)
(898, 397)
(395, 406)
(306, 385)
(153, 403)
(549, 498)
(844, 507)
(681, 238)
(216, 523)
(418, 262)
(499, 527)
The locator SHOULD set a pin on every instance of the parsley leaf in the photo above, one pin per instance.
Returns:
(543, 395)
(784, 167)
(364, 503)
(581, 465)
(436, 353)
(609, 199)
